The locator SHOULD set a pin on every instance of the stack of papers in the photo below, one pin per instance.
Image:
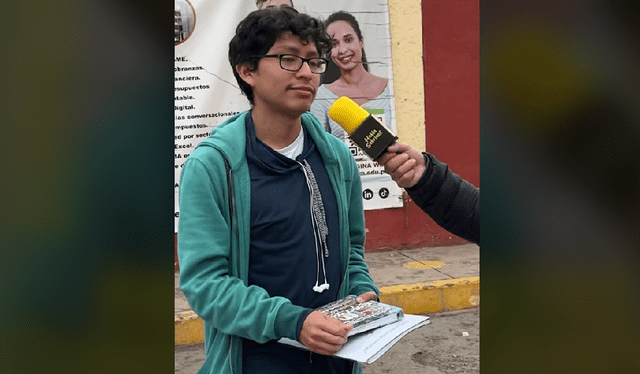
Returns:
(384, 326)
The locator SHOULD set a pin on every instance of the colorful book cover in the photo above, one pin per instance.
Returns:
(362, 316)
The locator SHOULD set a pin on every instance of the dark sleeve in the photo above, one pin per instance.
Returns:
(301, 319)
(449, 200)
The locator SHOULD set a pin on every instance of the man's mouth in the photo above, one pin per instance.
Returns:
(304, 88)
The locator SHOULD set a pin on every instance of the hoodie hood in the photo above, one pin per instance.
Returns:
(226, 138)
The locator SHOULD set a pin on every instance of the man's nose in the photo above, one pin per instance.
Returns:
(305, 69)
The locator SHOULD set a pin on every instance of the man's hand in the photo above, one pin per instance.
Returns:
(403, 163)
(371, 295)
(323, 334)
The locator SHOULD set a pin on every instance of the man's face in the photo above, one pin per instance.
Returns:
(287, 92)
(275, 3)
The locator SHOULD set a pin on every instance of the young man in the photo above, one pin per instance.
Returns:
(271, 219)
(449, 200)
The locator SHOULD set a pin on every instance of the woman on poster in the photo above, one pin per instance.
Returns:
(355, 81)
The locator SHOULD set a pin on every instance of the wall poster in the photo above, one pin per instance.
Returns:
(206, 92)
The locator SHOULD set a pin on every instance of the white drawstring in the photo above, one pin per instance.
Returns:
(319, 222)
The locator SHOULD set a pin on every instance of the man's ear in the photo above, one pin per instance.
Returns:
(246, 73)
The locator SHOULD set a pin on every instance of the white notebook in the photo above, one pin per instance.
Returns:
(376, 328)
(367, 347)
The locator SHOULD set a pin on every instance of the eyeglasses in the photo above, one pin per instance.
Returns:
(294, 63)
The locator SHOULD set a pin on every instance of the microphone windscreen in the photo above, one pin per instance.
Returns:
(371, 135)
(347, 114)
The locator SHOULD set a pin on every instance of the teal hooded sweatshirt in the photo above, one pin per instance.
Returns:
(213, 242)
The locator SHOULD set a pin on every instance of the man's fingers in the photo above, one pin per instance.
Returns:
(393, 148)
(398, 147)
(331, 339)
(335, 327)
(404, 168)
(328, 335)
(401, 167)
(406, 180)
(405, 149)
(395, 162)
(392, 160)
(382, 160)
(324, 348)
(369, 295)
(320, 326)
(403, 171)
(328, 338)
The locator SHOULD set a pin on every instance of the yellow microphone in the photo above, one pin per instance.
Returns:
(371, 135)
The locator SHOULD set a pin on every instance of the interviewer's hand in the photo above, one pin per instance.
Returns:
(323, 334)
(403, 163)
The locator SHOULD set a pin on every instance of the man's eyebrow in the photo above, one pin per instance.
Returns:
(290, 50)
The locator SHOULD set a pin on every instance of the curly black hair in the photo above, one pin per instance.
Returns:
(259, 31)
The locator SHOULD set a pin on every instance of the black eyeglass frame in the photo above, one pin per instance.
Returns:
(302, 61)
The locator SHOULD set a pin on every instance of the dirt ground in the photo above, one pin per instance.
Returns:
(438, 348)
(449, 344)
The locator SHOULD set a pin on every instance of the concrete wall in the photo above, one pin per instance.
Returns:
(406, 50)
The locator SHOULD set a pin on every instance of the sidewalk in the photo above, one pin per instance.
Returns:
(424, 280)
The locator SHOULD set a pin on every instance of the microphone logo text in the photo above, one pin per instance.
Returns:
(372, 137)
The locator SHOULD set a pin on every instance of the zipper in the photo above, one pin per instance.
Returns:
(231, 194)
(232, 219)
(345, 218)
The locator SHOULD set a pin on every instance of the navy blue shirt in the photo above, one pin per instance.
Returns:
(282, 257)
